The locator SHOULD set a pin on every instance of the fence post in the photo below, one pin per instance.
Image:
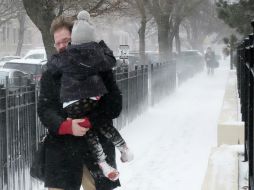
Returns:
(150, 71)
(231, 57)
(245, 76)
(250, 54)
(250, 107)
(37, 135)
(3, 147)
(242, 79)
(7, 131)
(128, 93)
(143, 86)
(243, 96)
(137, 91)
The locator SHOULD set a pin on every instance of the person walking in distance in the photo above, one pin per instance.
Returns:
(210, 61)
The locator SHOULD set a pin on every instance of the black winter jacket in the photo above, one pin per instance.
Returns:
(66, 154)
(79, 66)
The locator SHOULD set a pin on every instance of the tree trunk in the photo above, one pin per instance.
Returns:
(171, 35)
(48, 41)
(141, 33)
(177, 38)
(194, 40)
(163, 38)
(188, 33)
(42, 13)
(197, 36)
(170, 41)
(22, 20)
(174, 34)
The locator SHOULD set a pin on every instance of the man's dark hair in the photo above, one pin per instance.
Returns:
(62, 22)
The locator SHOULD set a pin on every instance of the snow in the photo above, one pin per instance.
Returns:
(224, 163)
(172, 140)
(227, 170)
(232, 123)
(243, 171)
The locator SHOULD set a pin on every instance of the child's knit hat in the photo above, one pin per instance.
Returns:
(83, 30)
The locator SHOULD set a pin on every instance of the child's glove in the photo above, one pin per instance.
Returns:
(65, 128)
(86, 123)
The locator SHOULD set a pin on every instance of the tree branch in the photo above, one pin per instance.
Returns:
(97, 6)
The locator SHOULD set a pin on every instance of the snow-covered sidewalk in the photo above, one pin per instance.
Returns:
(172, 140)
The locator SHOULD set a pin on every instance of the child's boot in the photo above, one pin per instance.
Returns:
(126, 154)
(110, 172)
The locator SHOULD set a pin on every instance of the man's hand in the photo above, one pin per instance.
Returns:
(77, 130)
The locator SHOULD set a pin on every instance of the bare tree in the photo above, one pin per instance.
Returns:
(181, 10)
(161, 11)
(9, 9)
(201, 23)
(13, 9)
(141, 32)
(22, 20)
(169, 15)
(42, 12)
(137, 9)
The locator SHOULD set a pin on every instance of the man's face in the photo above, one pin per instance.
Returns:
(62, 37)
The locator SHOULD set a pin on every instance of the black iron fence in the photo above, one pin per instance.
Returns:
(245, 79)
(20, 128)
(134, 87)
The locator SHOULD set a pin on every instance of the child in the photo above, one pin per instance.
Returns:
(82, 87)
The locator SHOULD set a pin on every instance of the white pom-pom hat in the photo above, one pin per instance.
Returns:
(83, 30)
(84, 15)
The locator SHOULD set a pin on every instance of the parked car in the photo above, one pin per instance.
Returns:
(33, 67)
(16, 78)
(192, 58)
(39, 54)
(4, 59)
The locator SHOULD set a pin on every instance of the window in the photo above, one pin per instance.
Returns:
(3, 75)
